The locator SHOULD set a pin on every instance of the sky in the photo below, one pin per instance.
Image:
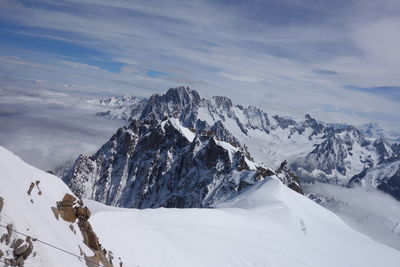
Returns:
(337, 60)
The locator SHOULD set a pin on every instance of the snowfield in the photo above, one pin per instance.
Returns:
(268, 225)
(32, 214)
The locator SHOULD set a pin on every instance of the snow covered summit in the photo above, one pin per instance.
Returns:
(315, 150)
(150, 164)
(267, 225)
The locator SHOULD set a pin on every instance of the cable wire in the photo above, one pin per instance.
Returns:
(53, 246)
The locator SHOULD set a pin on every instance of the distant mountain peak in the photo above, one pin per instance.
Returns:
(222, 102)
(372, 129)
(315, 150)
(182, 95)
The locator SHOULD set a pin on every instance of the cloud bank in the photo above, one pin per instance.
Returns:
(368, 211)
(48, 129)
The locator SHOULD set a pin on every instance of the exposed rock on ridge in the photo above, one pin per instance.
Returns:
(150, 164)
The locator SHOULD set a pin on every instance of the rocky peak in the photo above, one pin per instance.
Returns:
(284, 122)
(348, 134)
(222, 102)
(385, 151)
(288, 178)
(183, 96)
(331, 152)
(309, 123)
(221, 133)
(213, 155)
(154, 164)
(313, 123)
(181, 103)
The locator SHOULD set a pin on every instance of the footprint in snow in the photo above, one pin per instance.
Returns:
(303, 226)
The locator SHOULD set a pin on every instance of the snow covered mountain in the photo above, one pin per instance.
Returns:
(117, 107)
(385, 176)
(266, 225)
(42, 223)
(314, 150)
(151, 164)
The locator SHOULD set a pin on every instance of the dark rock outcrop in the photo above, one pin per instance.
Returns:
(289, 178)
(70, 209)
(66, 208)
(150, 164)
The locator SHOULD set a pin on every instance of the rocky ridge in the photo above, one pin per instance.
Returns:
(150, 164)
(314, 150)
(72, 210)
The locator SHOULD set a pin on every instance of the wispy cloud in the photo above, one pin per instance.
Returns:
(78, 65)
(305, 53)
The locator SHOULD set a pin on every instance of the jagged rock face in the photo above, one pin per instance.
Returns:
(150, 164)
(311, 123)
(180, 103)
(221, 133)
(289, 178)
(348, 153)
(284, 122)
(342, 154)
(385, 151)
(186, 105)
(315, 151)
(391, 185)
(71, 209)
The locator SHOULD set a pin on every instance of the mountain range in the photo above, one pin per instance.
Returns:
(246, 169)
(215, 148)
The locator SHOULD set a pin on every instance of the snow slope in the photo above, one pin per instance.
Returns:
(32, 214)
(268, 225)
(366, 210)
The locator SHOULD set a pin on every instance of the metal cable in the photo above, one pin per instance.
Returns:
(53, 246)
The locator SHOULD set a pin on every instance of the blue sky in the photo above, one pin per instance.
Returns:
(338, 60)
